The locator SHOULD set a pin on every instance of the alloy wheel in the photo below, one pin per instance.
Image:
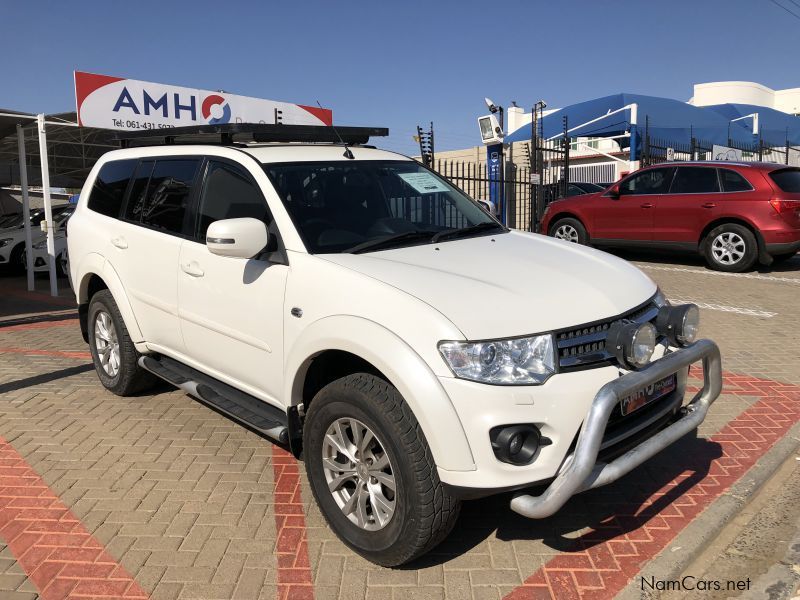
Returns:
(359, 474)
(567, 233)
(728, 248)
(106, 343)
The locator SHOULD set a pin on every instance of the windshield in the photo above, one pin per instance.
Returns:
(344, 206)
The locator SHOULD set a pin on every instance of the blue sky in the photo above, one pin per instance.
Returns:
(399, 64)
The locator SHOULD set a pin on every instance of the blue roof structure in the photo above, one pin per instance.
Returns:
(775, 127)
(667, 119)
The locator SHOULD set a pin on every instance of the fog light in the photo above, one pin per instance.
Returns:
(517, 444)
(679, 323)
(632, 344)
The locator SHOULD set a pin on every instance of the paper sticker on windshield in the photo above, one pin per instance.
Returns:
(423, 182)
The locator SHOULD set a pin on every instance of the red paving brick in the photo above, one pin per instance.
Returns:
(619, 552)
(39, 325)
(291, 548)
(60, 557)
(55, 353)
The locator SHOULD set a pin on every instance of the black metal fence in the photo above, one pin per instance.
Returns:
(657, 150)
(528, 189)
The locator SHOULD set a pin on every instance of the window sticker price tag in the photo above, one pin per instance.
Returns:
(424, 183)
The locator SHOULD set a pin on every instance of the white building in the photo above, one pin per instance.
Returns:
(746, 92)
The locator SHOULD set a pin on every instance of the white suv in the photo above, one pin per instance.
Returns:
(335, 299)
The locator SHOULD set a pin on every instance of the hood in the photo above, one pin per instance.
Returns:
(510, 284)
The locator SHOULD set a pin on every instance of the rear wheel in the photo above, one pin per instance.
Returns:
(372, 473)
(113, 353)
(569, 230)
(730, 247)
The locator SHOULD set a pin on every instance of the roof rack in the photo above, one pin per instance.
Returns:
(234, 133)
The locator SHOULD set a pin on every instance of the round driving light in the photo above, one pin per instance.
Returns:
(679, 323)
(690, 324)
(631, 343)
(642, 345)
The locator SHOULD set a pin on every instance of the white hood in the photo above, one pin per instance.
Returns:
(509, 284)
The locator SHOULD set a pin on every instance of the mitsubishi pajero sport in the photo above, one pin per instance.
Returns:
(357, 308)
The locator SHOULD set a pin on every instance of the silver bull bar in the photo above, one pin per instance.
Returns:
(581, 471)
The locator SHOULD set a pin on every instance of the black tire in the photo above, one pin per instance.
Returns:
(424, 513)
(16, 259)
(782, 258)
(740, 253)
(570, 230)
(129, 377)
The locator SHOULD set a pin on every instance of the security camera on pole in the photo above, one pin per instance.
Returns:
(492, 135)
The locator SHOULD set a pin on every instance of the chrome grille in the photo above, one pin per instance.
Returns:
(585, 346)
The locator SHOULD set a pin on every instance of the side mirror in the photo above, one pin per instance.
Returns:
(613, 192)
(239, 238)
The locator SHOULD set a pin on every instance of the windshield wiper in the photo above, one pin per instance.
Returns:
(464, 231)
(389, 241)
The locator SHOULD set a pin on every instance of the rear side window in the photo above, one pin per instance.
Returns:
(229, 193)
(787, 179)
(652, 181)
(731, 181)
(108, 190)
(161, 193)
(695, 180)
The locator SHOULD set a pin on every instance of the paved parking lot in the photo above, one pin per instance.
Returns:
(158, 496)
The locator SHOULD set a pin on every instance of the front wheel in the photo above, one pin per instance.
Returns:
(730, 247)
(569, 230)
(372, 473)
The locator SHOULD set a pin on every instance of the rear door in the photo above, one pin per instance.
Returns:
(693, 201)
(145, 246)
(630, 216)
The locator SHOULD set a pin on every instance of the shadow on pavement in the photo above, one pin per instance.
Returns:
(690, 259)
(13, 386)
(588, 519)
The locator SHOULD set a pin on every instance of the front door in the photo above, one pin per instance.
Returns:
(630, 216)
(231, 309)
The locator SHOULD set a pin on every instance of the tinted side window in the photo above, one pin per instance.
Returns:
(138, 194)
(695, 180)
(787, 179)
(168, 194)
(229, 193)
(109, 188)
(652, 181)
(733, 182)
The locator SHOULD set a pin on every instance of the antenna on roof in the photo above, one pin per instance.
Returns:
(347, 152)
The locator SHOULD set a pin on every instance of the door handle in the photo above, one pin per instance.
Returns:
(192, 268)
(119, 242)
(708, 205)
(646, 205)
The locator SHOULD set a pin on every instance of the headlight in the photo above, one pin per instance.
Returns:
(40, 245)
(660, 300)
(6, 241)
(521, 361)
(679, 323)
(633, 344)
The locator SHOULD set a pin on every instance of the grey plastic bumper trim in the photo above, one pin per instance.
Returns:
(581, 471)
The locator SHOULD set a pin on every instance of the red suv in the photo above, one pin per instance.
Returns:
(734, 214)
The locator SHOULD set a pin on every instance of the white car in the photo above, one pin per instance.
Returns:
(12, 239)
(336, 301)
(41, 260)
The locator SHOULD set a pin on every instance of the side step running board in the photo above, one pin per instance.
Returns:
(265, 418)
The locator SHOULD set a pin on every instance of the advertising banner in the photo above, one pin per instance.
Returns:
(118, 103)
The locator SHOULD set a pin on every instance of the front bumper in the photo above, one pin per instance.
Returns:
(581, 470)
